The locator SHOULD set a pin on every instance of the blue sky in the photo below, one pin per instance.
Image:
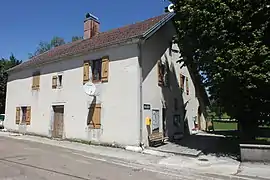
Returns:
(23, 24)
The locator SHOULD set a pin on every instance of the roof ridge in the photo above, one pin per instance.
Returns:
(101, 40)
(140, 21)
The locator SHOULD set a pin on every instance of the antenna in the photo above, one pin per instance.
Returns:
(89, 88)
(171, 8)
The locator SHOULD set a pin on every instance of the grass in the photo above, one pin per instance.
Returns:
(224, 126)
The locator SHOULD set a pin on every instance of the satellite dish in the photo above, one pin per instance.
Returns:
(170, 8)
(89, 88)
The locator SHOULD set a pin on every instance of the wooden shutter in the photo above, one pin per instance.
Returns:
(182, 81)
(18, 115)
(105, 69)
(33, 82)
(28, 115)
(54, 82)
(37, 81)
(96, 116)
(160, 73)
(187, 86)
(86, 67)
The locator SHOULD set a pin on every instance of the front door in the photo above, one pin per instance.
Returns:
(155, 121)
(58, 124)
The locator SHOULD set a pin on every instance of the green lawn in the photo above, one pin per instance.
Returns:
(224, 126)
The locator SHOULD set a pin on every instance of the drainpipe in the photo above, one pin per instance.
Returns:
(140, 93)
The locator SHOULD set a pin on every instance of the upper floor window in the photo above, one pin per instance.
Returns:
(96, 70)
(184, 82)
(57, 81)
(36, 80)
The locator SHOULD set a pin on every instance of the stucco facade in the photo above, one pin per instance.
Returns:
(161, 98)
(118, 98)
(132, 83)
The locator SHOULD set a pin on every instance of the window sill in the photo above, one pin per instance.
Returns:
(58, 88)
(94, 127)
(94, 82)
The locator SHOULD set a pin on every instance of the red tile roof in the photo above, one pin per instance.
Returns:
(102, 40)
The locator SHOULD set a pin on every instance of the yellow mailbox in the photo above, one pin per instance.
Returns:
(148, 121)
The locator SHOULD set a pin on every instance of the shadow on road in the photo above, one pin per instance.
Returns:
(223, 144)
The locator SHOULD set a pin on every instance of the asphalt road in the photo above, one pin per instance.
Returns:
(24, 160)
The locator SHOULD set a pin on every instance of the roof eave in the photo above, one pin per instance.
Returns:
(157, 26)
(132, 40)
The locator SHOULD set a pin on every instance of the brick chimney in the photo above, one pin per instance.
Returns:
(91, 26)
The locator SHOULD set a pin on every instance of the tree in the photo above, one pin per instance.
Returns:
(55, 42)
(45, 46)
(5, 64)
(75, 38)
(228, 43)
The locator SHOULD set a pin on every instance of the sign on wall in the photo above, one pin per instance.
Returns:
(146, 106)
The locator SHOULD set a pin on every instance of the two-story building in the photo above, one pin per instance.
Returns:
(136, 74)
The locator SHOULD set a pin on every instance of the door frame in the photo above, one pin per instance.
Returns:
(53, 121)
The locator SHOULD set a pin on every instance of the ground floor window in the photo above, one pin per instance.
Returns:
(94, 116)
(23, 115)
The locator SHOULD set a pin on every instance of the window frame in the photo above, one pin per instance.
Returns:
(57, 83)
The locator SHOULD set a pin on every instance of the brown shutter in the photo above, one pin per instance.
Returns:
(54, 82)
(18, 115)
(182, 81)
(34, 82)
(96, 116)
(105, 69)
(160, 73)
(86, 66)
(28, 115)
(187, 86)
(37, 81)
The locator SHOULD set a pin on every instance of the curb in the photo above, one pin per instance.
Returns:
(179, 153)
(157, 153)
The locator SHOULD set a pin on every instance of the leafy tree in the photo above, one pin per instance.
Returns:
(57, 41)
(75, 38)
(228, 42)
(45, 46)
(5, 64)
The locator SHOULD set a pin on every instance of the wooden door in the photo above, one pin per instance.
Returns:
(58, 125)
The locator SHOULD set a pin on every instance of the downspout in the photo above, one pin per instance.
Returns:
(140, 92)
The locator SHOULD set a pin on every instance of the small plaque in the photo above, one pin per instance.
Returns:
(146, 106)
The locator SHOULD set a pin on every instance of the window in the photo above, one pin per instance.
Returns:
(175, 104)
(57, 81)
(36, 80)
(24, 109)
(94, 116)
(187, 86)
(99, 70)
(160, 73)
(96, 70)
(25, 118)
(182, 82)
